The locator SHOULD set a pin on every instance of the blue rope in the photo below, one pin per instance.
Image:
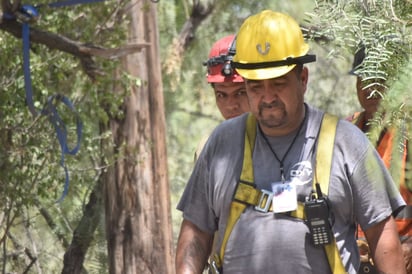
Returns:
(71, 3)
(29, 14)
(61, 133)
(26, 68)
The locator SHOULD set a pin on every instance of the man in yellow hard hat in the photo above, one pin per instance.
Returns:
(260, 181)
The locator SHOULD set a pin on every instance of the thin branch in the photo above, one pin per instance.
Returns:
(50, 222)
(83, 51)
(394, 14)
(21, 249)
(83, 234)
(199, 13)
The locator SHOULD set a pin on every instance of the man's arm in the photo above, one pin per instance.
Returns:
(193, 249)
(385, 247)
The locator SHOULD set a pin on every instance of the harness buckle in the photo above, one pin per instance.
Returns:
(265, 201)
(213, 268)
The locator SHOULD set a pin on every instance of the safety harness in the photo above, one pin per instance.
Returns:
(247, 194)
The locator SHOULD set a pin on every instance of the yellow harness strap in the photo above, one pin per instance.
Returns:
(247, 194)
(237, 207)
(322, 176)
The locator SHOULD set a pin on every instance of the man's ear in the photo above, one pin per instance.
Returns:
(304, 77)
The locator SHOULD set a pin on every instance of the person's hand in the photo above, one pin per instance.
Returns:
(407, 254)
(363, 250)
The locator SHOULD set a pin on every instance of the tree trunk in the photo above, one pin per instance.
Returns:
(83, 234)
(138, 216)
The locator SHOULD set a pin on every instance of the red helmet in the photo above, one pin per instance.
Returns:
(219, 64)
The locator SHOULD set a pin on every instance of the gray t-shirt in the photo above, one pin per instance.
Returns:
(360, 191)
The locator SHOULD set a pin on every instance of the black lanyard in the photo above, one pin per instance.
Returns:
(287, 151)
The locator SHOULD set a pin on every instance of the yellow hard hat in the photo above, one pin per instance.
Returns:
(268, 45)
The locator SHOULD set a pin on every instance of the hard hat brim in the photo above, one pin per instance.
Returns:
(264, 73)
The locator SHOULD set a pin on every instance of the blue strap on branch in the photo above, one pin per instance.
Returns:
(61, 133)
(50, 110)
(27, 15)
(26, 68)
(71, 3)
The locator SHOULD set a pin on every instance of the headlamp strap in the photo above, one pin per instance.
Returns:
(214, 61)
(308, 58)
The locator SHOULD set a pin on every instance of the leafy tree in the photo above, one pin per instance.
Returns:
(33, 181)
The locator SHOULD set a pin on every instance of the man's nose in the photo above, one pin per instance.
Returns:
(269, 94)
(232, 102)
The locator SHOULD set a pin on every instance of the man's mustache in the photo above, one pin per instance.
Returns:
(272, 104)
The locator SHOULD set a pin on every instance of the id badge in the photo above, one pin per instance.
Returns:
(284, 197)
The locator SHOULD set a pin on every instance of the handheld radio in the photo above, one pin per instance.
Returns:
(317, 218)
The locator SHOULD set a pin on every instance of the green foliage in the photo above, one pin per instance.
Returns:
(32, 179)
(398, 100)
(383, 28)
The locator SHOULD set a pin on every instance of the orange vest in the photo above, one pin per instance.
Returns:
(384, 148)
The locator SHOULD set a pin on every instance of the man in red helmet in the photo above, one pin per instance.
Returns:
(229, 86)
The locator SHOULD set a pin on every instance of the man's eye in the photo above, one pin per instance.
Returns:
(254, 87)
(279, 83)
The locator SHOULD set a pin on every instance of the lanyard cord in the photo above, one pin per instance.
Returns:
(289, 148)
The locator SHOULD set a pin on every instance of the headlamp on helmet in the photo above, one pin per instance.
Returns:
(219, 65)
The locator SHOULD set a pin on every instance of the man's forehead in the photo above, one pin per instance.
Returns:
(226, 85)
(250, 81)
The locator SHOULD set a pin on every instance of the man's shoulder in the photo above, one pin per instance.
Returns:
(234, 124)
(349, 135)
(315, 114)
(345, 132)
(229, 132)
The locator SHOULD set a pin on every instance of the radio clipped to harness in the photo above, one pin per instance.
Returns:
(317, 218)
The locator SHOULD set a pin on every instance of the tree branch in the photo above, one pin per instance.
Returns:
(83, 51)
(83, 235)
(199, 13)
